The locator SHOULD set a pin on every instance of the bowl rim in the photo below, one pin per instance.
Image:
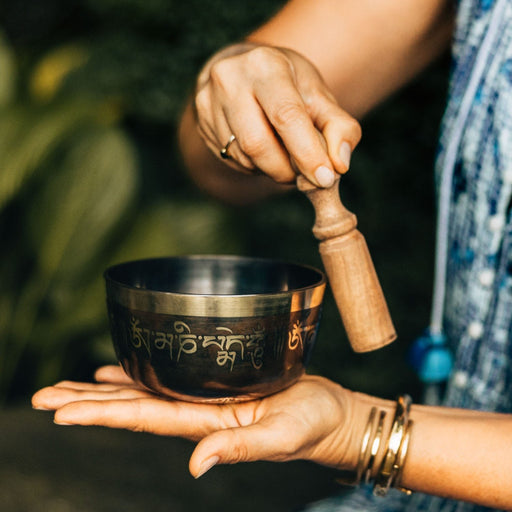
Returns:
(226, 257)
(222, 305)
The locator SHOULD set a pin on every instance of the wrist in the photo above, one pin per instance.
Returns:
(359, 426)
(381, 447)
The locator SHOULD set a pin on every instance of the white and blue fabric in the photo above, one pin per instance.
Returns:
(472, 303)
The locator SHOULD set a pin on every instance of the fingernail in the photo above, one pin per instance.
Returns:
(39, 408)
(58, 421)
(345, 154)
(324, 176)
(207, 465)
(62, 423)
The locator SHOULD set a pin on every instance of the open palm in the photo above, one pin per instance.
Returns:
(305, 421)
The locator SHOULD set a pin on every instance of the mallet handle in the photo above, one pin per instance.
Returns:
(349, 268)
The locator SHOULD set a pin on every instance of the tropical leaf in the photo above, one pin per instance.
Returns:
(80, 204)
(7, 73)
(69, 221)
(53, 68)
(28, 137)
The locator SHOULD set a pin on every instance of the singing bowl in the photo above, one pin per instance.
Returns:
(214, 328)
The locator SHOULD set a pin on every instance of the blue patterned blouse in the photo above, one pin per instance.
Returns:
(473, 289)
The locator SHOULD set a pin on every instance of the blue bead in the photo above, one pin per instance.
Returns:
(436, 366)
(431, 358)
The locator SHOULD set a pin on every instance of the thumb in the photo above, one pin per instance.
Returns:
(242, 444)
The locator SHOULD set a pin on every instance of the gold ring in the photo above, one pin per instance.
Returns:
(224, 151)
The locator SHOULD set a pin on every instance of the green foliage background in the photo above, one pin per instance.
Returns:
(90, 96)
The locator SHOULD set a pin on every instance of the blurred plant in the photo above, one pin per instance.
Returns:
(90, 93)
(70, 205)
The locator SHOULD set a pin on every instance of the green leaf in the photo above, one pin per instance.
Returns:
(82, 202)
(28, 138)
(7, 73)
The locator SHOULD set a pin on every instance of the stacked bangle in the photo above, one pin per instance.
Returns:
(375, 447)
(391, 467)
(363, 453)
(401, 460)
(396, 451)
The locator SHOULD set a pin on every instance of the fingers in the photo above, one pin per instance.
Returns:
(113, 374)
(257, 141)
(113, 383)
(222, 111)
(275, 103)
(55, 397)
(216, 132)
(85, 386)
(147, 414)
(287, 113)
(131, 408)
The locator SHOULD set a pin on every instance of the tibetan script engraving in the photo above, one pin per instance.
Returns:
(299, 334)
(232, 348)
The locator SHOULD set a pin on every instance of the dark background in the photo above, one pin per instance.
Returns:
(90, 96)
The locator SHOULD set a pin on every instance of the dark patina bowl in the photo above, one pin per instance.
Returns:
(214, 328)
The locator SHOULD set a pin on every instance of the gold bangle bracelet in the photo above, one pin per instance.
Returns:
(362, 453)
(375, 447)
(398, 467)
(364, 446)
(386, 472)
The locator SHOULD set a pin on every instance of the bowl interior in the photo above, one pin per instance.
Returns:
(214, 275)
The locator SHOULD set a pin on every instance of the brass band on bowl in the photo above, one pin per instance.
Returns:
(220, 306)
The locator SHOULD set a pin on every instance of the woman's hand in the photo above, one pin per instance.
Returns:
(281, 113)
(305, 421)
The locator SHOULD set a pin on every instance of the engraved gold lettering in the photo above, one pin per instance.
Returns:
(164, 339)
(223, 356)
(137, 335)
(299, 333)
(232, 348)
(187, 340)
(257, 358)
(295, 336)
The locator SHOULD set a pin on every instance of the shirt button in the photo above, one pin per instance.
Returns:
(478, 388)
(507, 176)
(501, 335)
(496, 223)
(460, 379)
(486, 277)
(475, 329)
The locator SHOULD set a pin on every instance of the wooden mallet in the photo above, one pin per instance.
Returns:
(349, 268)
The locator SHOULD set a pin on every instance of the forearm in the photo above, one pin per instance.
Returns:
(454, 453)
(364, 50)
(464, 457)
